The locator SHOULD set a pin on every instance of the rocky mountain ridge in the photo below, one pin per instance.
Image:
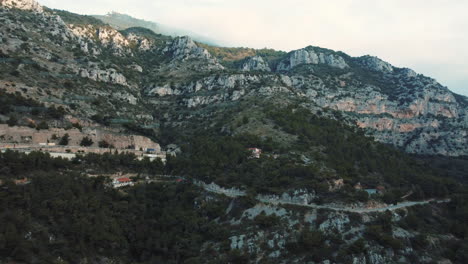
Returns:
(394, 105)
(122, 21)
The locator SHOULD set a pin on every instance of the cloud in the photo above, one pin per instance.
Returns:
(426, 35)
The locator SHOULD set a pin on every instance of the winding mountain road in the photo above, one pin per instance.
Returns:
(213, 188)
(362, 210)
(349, 209)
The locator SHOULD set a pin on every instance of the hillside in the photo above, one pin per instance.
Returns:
(155, 73)
(272, 157)
(123, 21)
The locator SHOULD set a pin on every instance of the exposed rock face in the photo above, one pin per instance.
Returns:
(295, 197)
(23, 4)
(107, 37)
(213, 187)
(376, 64)
(109, 76)
(143, 43)
(336, 223)
(255, 63)
(311, 56)
(225, 82)
(426, 119)
(184, 48)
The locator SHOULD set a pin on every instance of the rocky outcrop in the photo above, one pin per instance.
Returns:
(336, 223)
(107, 37)
(369, 101)
(225, 82)
(375, 64)
(255, 63)
(428, 119)
(31, 5)
(303, 197)
(311, 56)
(108, 75)
(142, 43)
(213, 187)
(184, 48)
(136, 67)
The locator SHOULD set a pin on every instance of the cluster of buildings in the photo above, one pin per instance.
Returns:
(28, 139)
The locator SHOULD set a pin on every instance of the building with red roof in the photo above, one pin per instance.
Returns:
(121, 182)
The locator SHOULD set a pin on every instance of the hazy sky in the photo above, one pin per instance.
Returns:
(429, 36)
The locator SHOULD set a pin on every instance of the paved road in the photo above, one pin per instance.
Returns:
(359, 210)
(364, 210)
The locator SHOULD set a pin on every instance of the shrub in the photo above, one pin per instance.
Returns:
(378, 234)
(42, 125)
(86, 142)
(77, 125)
(12, 121)
(56, 113)
(103, 144)
(266, 221)
(64, 140)
(357, 247)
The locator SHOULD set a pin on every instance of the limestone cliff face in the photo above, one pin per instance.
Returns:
(374, 63)
(428, 119)
(255, 63)
(182, 49)
(225, 83)
(89, 35)
(108, 75)
(311, 56)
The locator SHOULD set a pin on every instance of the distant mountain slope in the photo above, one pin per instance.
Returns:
(123, 21)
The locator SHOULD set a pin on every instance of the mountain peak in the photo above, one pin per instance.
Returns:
(312, 55)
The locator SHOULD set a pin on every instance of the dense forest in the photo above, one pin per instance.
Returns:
(325, 150)
(61, 215)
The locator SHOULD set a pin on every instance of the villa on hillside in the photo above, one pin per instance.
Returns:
(377, 190)
(122, 182)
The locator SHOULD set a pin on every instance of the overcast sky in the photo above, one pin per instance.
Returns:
(429, 36)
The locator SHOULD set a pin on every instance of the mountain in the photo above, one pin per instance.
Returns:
(123, 21)
(395, 105)
(308, 156)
